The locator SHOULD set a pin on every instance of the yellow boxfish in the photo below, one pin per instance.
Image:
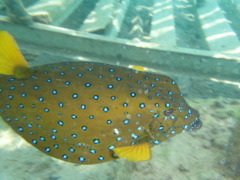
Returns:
(88, 112)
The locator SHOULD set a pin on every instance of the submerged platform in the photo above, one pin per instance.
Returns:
(171, 36)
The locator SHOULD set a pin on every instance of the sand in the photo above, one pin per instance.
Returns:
(197, 155)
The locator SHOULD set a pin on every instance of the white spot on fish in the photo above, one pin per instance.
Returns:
(145, 92)
(115, 131)
(128, 116)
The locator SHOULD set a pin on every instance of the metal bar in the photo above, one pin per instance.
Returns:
(173, 61)
(16, 12)
(68, 11)
(54, 9)
(219, 35)
(119, 13)
(100, 17)
(237, 3)
(163, 26)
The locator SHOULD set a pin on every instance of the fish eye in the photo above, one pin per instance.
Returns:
(168, 112)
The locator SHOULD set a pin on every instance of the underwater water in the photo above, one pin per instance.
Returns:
(201, 28)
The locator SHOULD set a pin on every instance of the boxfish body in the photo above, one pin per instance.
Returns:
(87, 112)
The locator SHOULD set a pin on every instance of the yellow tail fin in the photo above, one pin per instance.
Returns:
(12, 61)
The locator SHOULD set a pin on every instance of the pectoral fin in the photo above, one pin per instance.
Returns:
(135, 153)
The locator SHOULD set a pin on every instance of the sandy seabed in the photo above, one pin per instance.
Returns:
(202, 155)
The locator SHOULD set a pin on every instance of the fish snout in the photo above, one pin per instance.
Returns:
(195, 125)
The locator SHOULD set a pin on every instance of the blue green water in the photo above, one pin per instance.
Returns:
(184, 39)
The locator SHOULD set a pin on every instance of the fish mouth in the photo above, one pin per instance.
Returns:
(195, 125)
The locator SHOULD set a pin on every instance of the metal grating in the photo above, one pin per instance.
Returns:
(197, 37)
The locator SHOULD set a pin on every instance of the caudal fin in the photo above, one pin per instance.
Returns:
(12, 61)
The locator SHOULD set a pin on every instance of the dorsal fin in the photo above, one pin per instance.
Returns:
(138, 68)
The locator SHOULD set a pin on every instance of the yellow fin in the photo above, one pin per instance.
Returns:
(12, 61)
(135, 153)
(138, 68)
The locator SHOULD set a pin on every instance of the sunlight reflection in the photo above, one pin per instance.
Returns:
(209, 14)
(9, 141)
(226, 82)
(159, 32)
(209, 25)
(222, 35)
(6, 138)
(116, 24)
(110, 6)
(167, 18)
(142, 44)
(218, 55)
(162, 3)
(45, 5)
(234, 51)
(92, 20)
(81, 58)
(162, 9)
